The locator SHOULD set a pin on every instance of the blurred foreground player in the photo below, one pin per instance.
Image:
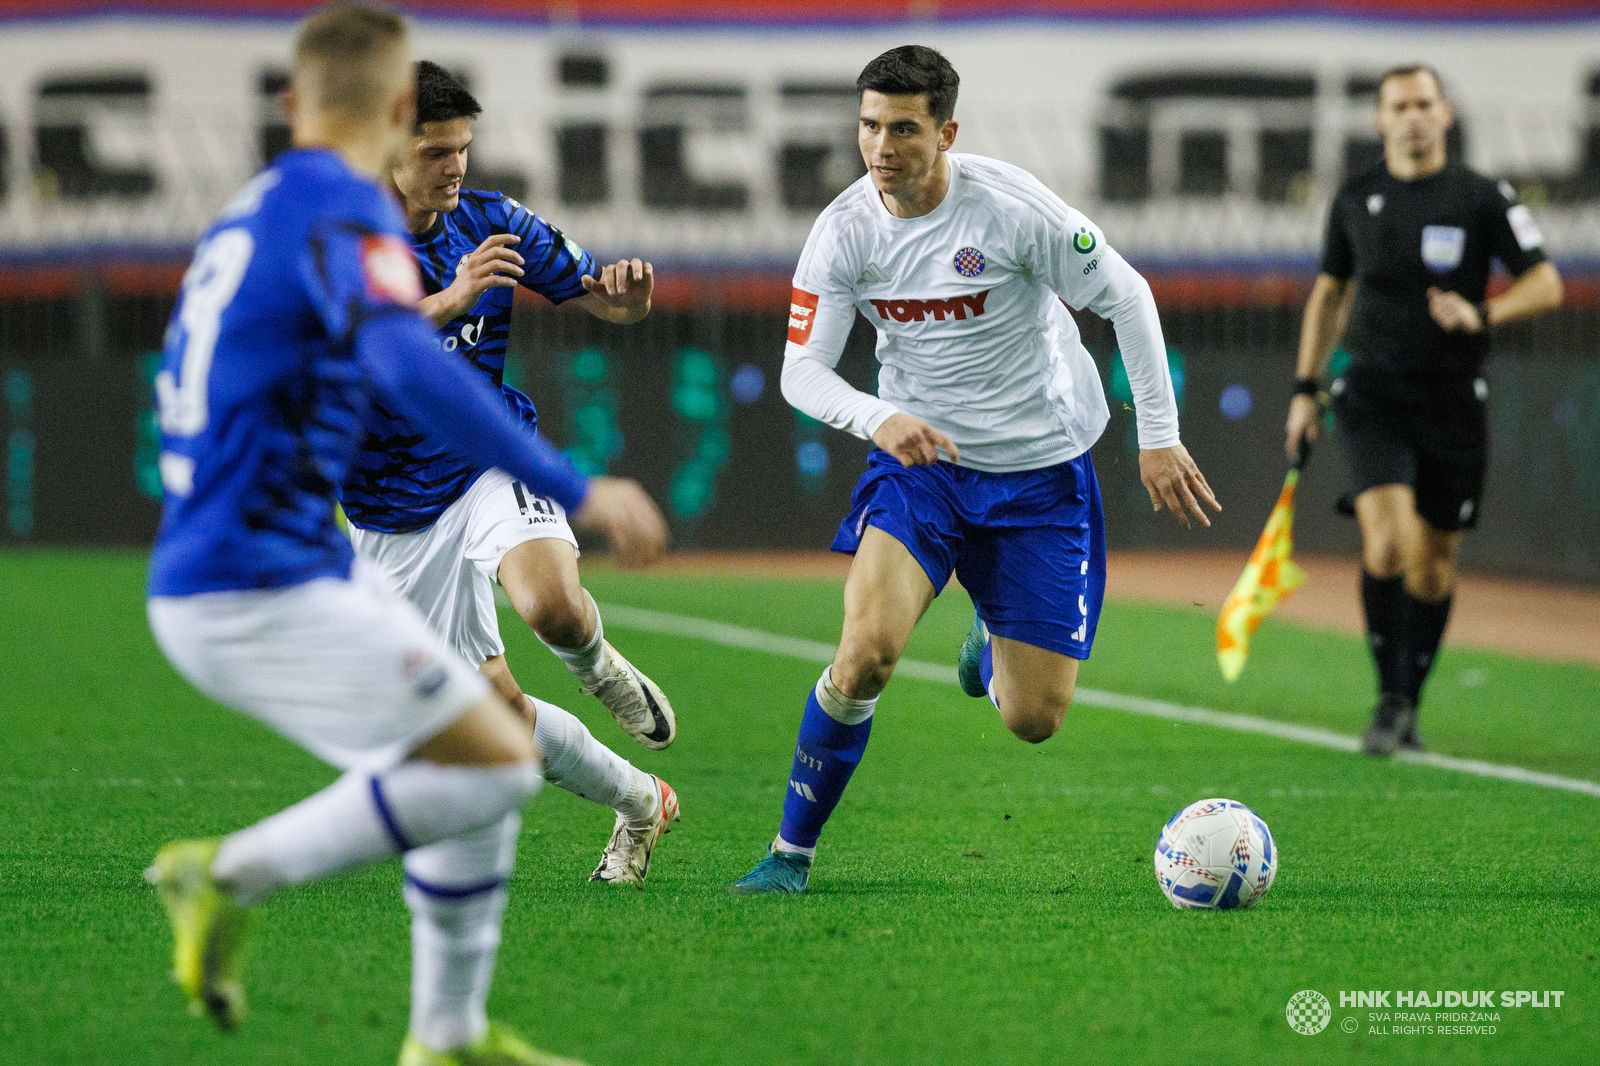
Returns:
(987, 406)
(1416, 234)
(445, 528)
(298, 307)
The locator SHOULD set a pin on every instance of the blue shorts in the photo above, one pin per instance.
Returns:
(1029, 546)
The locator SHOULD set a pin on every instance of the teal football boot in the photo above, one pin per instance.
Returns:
(967, 671)
(780, 871)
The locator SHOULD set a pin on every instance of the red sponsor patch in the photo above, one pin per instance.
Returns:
(390, 271)
(802, 313)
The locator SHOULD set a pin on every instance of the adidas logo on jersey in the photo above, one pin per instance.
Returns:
(918, 310)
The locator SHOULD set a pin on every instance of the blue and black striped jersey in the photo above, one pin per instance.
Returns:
(401, 482)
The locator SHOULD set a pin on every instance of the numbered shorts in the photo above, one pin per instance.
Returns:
(343, 667)
(1432, 436)
(1029, 546)
(449, 570)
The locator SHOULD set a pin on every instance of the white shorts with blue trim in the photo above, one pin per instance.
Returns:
(449, 570)
(343, 667)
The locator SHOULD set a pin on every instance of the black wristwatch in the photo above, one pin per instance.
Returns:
(1307, 387)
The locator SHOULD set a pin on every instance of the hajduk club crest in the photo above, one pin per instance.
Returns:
(970, 262)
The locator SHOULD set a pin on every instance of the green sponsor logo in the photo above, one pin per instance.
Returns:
(1084, 241)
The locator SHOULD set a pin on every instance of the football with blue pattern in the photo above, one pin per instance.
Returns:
(1215, 854)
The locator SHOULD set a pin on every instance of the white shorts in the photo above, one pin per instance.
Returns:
(346, 669)
(449, 570)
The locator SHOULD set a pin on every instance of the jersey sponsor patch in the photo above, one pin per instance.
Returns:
(802, 314)
(1524, 228)
(918, 310)
(390, 270)
(1442, 247)
(970, 262)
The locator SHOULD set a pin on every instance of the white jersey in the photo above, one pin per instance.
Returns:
(972, 335)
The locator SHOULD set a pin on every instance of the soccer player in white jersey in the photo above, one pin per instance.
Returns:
(297, 312)
(987, 406)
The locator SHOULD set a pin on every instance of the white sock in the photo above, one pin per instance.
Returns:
(456, 891)
(589, 662)
(362, 818)
(780, 844)
(841, 708)
(577, 762)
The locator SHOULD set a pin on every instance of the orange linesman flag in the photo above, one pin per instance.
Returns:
(1268, 577)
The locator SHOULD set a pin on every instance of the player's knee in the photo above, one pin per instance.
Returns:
(1382, 554)
(558, 619)
(1431, 579)
(1037, 717)
(864, 667)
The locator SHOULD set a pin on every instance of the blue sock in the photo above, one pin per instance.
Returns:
(986, 670)
(825, 757)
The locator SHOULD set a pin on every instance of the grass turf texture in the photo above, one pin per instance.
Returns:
(977, 899)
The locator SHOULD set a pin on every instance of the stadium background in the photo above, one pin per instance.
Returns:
(1205, 137)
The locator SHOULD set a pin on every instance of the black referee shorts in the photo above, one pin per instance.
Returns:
(1431, 434)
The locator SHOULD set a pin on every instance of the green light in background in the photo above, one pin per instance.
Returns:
(700, 399)
(593, 432)
(147, 452)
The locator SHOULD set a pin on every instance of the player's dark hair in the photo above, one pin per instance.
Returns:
(914, 69)
(441, 96)
(1406, 70)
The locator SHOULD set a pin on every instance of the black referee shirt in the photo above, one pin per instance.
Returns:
(1398, 238)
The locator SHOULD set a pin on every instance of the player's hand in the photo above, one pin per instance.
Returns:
(913, 441)
(1454, 312)
(1305, 422)
(1172, 478)
(491, 265)
(629, 518)
(622, 292)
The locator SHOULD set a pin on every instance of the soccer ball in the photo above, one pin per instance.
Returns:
(1216, 854)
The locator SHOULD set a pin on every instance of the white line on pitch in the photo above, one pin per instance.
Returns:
(819, 652)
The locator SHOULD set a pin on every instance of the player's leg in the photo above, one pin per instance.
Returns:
(1036, 572)
(1449, 489)
(646, 806)
(540, 575)
(886, 592)
(1032, 687)
(1390, 533)
(433, 754)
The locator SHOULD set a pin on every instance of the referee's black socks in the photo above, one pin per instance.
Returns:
(1384, 599)
(1424, 624)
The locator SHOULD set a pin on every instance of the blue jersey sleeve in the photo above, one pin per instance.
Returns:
(448, 399)
(553, 264)
(354, 270)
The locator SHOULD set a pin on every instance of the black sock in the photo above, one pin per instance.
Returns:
(1425, 624)
(1384, 599)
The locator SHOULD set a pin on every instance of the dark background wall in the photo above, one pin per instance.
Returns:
(688, 403)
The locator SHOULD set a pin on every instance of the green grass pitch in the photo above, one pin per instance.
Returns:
(977, 900)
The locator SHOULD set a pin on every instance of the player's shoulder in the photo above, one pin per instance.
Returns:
(1363, 183)
(850, 212)
(319, 184)
(1008, 189)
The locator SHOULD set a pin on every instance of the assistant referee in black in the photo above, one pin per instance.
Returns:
(1416, 235)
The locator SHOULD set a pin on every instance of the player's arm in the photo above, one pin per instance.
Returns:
(1071, 253)
(362, 283)
(493, 264)
(1516, 241)
(1169, 474)
(558, 269)
(451, 403)
(1327, 310)
(821, 312)
(621, 293)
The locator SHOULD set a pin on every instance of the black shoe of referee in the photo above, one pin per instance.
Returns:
(1393, 718)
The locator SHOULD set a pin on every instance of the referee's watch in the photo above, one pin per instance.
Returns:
(1308, 387)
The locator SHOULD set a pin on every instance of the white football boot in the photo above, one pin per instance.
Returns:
(636, 702)
(626, 859)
